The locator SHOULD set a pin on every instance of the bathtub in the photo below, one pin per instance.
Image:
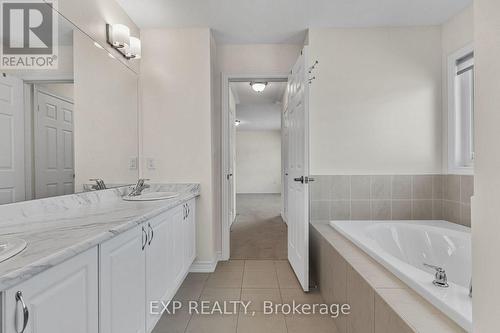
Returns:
(403, 246)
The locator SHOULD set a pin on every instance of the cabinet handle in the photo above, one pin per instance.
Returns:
(152, 234)
(189, 209)
(26, 313)
(144, 238)
(185, 212)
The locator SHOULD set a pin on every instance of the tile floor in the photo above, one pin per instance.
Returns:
(259, 231)
(246, 280)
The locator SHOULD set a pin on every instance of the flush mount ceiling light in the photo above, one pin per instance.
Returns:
(258, 86)
(118, 36)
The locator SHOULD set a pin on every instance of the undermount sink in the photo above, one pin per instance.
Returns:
(152, 196)
(9, 247)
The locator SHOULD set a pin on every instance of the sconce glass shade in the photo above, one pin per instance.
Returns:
(118, 35)
(135, 48)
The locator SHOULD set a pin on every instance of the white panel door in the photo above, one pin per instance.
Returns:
(298, 171)
(54, 157)
(160, 254)
(122, 285)
(12, 176)
(60, 300)
(232, 157)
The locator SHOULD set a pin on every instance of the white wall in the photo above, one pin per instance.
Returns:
(375, 107)
(106, 112)
(485, 207)
(258, 161)
(176, 117)
(457, 33)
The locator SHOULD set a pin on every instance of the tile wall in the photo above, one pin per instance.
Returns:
(392, 197)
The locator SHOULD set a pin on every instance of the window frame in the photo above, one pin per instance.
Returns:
(454, 165)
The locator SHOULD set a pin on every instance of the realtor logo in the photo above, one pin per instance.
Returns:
(29, 34)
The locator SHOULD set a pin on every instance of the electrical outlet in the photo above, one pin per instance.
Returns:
(133, 163)
(150, 162)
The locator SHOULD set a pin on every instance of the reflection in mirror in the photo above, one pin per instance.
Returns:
(61, 127)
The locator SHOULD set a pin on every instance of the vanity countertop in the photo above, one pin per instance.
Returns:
(59, 228)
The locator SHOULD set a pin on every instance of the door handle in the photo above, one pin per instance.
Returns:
(229, 175)
(26, 313)
(144, 238)
(152, 234)
(301, 179)
(304, 180)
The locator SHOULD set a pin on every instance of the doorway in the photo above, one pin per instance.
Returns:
(257, 229)
(295, 178)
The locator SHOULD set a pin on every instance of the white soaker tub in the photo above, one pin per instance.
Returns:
(403, 246)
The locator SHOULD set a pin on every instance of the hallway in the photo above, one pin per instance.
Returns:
(259, 232)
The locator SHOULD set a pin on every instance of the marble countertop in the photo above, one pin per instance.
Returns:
(59, 228)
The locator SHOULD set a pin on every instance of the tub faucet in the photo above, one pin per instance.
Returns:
(139, 187)
(440, 278)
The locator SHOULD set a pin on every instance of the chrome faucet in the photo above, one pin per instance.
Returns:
(139, 187)
(440, 279)
(99, 184)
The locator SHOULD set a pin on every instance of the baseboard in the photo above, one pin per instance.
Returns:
(203, 266)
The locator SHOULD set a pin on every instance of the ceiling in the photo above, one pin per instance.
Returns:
(258, 111)
(244, 93)
(285, 21)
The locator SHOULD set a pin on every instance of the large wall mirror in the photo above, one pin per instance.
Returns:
(61, 127)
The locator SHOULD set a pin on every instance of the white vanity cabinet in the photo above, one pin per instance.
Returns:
(61, 299)
(145, 265)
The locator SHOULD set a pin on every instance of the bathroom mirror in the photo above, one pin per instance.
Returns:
(61, 127)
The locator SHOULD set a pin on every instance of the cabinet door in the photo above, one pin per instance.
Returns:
(122, 283)
(60, 300)
(160, 273)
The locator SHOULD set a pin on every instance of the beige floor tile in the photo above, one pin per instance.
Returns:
(196, 277)
(259, 265)
(229, 279)
(220, 294)
(300, 297)
(190, 291)
(173, 323)
(258, 296)
(212, 323)
(310, 323)
(286, 276)
(259, 279)
(230, 266)
(259, 322)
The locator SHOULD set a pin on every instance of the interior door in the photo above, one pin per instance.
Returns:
(54, 156)
(298, 171)
(12, 174)
(232, 157)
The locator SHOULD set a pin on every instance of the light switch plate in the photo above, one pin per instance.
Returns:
(133, 163)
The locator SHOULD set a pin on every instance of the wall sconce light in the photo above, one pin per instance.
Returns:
(118, 36)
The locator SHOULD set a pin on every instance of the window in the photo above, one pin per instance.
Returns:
(461, 112)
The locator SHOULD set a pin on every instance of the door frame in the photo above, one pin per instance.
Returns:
(225, 154)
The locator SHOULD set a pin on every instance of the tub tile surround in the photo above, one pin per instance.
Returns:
(59, 228)
(392, 197)
(380, 303)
